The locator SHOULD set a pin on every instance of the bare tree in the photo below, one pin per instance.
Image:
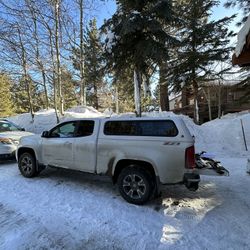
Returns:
(38, 59)
(25, 70)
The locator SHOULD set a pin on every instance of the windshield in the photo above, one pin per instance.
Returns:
(8, 126)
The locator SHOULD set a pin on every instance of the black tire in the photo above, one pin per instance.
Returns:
(193, 186)
(27, 165)
(135, 185)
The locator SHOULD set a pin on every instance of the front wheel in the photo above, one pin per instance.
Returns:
(135, 185)
(27, 165)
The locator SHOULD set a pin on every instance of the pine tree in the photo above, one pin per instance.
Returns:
(136, 38)
(204, 42)
(93, 63)
(94, 70)
(124, 91)
(21, 99)
(68, 89)
(6, 104)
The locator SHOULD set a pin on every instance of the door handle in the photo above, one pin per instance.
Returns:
(67, 143)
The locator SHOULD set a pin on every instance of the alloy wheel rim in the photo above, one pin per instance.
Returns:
(134, 186)
(26, 165)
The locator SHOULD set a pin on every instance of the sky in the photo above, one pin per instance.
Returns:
(107, 8)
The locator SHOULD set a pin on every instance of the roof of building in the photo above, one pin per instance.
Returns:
(241, 56)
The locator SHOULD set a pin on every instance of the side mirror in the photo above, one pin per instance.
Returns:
(45, 134)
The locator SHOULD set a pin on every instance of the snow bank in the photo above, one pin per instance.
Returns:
(46, 119)
(223, 135)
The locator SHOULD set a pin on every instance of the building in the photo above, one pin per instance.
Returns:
(214, 100)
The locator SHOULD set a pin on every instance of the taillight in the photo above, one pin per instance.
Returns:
(190, 157)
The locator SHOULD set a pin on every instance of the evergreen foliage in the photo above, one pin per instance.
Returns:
(204, 42)
(125, 88)
(136, 34)
(137, 38)
(68, 89)
(94, 68)
(20, 96)
(93, 63)
(6, 104)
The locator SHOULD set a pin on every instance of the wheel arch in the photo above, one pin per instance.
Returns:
(26, 150)
(123, 163)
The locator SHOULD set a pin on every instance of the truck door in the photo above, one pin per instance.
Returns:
(57, 148)
(85, 143)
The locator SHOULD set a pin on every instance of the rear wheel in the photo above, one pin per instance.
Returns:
(27, 165)
(135, 185)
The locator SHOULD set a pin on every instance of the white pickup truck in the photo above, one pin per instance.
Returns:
(138, 153)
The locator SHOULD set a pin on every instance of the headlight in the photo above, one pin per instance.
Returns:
(6, 140)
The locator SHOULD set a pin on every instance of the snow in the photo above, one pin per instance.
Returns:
(69, 210)
(61, 209)
(241, 37)
(110, 41)
(46, 119)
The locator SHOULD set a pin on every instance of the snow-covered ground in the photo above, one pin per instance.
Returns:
(68, 210)
(72, 210)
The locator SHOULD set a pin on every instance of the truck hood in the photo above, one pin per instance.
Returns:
(30, 140)
(15, 135)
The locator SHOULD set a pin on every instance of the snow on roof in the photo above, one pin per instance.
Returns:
(242, 35)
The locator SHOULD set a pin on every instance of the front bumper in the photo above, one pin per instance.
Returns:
(7, 151)
(7, 156)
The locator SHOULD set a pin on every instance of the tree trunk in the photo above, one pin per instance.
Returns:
(116, 100)
(53, 74)
(45, 88)
(146, 91)
(137, 92)
(58, 62)
(196, 106)
(163, 84)
(25, 73)
(208, 98)
(219, 101)
(37, 52)
(209, 104)
(96, 97)
(83, 100)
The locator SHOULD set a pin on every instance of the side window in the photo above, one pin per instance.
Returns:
(121, 128)
(64, 130)
(7, 126)
(157, 128)
(85, 128)
(162, 128)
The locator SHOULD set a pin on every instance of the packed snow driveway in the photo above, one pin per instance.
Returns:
(69, 210)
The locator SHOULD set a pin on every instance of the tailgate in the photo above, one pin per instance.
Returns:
(208, 166)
